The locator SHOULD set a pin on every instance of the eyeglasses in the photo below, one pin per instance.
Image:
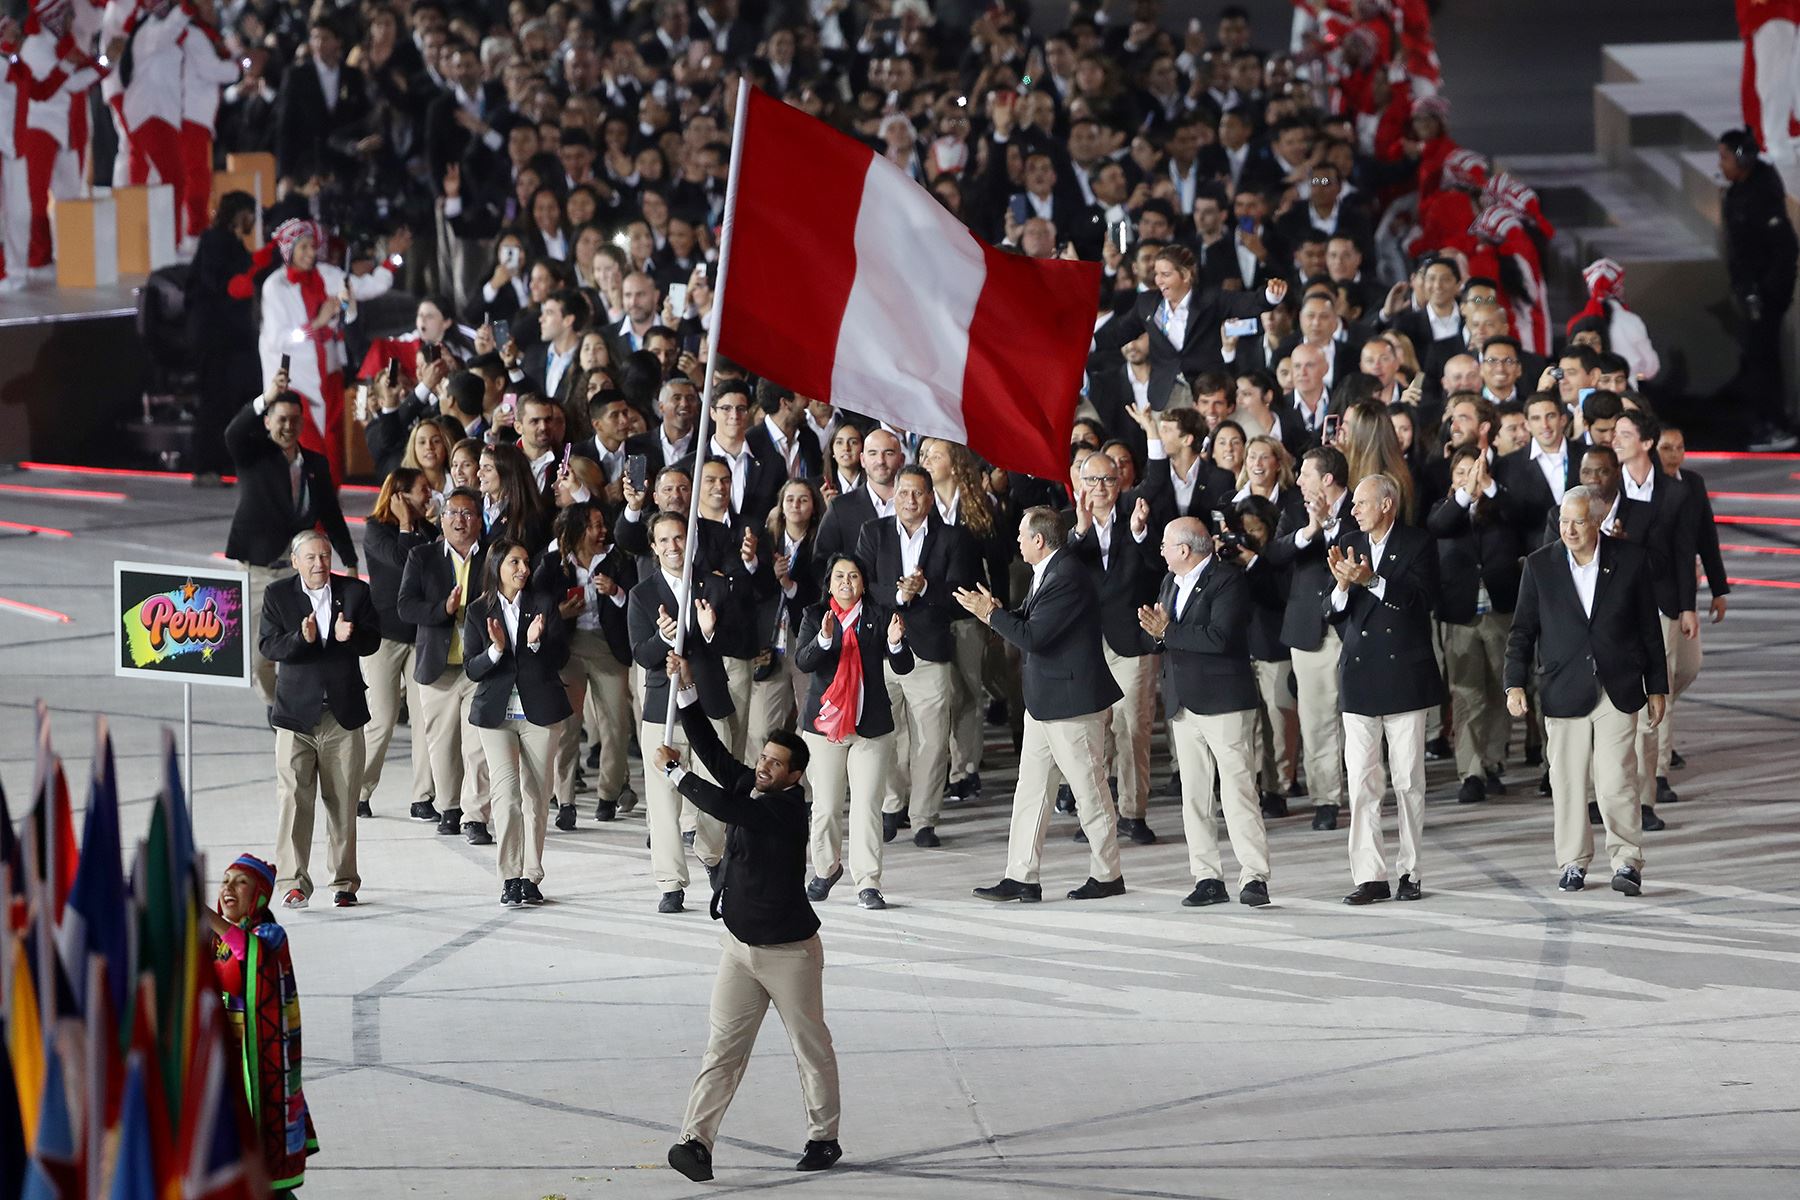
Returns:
(731, 410)
(1500, 362)
(459, 514)
(1100, 480)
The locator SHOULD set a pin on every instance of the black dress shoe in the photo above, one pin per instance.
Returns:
(1207, 891)
(580, 782)
(606, 810)
(1437, 749)
(1664, 793)
(890, 826)
(1093, 889)
(477, 833)
(1012, 889)
(1473, 790)
(450, 821)
(1369, 893)
(671, 902)
(1273, 804)
(927, 837)
(966, 788)
(904, 818)
(1652, 822)
(1138, 830)
(1065, 799)
(1573, 880)
(1676, 762)
(1296, 789)
(628, 800)
(565, 817)
(363, 809)
(870, 898)
(820, 1156)
(1627, 880)
(820, 886)
(1594, 817)
(425, 810)
(593, 757)
(1325, 816)
(1496, 786)
(687, 839)
(529, 893)
(712, 876)
(1255, 893)
(1544, 783)
(691, 1159)
(1408, 889)
(344, 899)
(509, 892)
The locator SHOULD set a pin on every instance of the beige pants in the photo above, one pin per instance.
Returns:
(774, 704)
(1684, 668)
(857, 765)
(1275, 726)
(791, 975)
(385, 672)
(1128, 728)
(921, 703)
(1217, 748)
(1649, 741)
(1405, 736)
(1474, 667)
(262, 671)
(459, 773)
(324, 764)
(663, 811)
(600, 684)
(968, 703)
(1321, 730)
(1051, 752)
(740, 678)
(1603, 744)
(520, 757)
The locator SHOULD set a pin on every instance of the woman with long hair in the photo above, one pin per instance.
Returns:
(777, 686)
(547, 233)
(593, 373)
(592, 578)
(1226, 448)
(1371, 447)
(1268, 471)
(398, 525)
(960, 488)
(506, 291)
(465, 464)
(514, 646)
(846, 645)
(843, 465)
(511, 505)
(428, 452)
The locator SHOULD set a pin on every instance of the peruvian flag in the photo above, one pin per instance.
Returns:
(850, 283)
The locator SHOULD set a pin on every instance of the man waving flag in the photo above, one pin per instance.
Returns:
(849, 283)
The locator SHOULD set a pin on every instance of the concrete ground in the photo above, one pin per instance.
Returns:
(1500, 1037)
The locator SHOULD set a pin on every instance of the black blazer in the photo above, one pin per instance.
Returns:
(266, 518)
(425, 585)
(762, 445)
(948, 561)
(1127, 580)
(535, 673)
(1706, 533)
(650, 652)
(1618, 649)
(1664, 527)
(1269, 587)
(311, 139)
(311, 677)
(388, 549)
(1471, 552)
(556, 575)
(649, 444)
(1206, 650)
(1532, 501)
(821, 662)
(1387, 664)
(1309, 576)
(841, 530)
(762, 893)
(535, 362)
(1213, 488)
(1199, 350)
(1057, 631)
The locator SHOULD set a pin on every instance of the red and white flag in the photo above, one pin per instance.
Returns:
(850, 283)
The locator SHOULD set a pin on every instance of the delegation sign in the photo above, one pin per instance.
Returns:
(181, 624)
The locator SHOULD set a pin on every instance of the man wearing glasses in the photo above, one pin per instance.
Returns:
(755, 482)
(1501, 366)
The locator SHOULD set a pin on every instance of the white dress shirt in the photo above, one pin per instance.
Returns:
(1554, 466)
(1586, 580)
(1638, 491)
(1185, 585)
(321, 607)
(740, 471)
(1377, 586)
(509, 616)
(1037, 572)
(912, 548)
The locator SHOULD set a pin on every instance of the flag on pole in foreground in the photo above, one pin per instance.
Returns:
(850, 283)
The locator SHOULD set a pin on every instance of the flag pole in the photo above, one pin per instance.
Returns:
(703, 432)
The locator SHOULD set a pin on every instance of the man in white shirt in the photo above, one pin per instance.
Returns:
(1311, 398)
(640, 297)
(560, 321)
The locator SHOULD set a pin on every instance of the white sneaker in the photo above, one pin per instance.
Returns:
(12, 283)
(41, 274)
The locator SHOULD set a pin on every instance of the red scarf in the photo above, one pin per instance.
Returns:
(837, 707)
(328, 440)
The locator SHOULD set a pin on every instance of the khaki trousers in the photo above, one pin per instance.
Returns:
(1321, 731)
(1684, 668)
(262, 671)
(1405, 736)
(968, 702)
(1218, 747)
(921, 703)
(774, 704)
(1602, 744)
(740, 678)
(520, 757)
(663, 808)
(1276, 725)
(598, 683)
(324, 764)
(792, 975)
(386, 672)
(1051, 752)
(453, 746)
(1128, 728)
(857, 764)
(1474, 667)
(1649, 741)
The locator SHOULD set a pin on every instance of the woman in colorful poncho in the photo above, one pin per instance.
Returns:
(256, 982)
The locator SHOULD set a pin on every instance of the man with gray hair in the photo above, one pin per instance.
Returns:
(1586, 623)
(1387, 581)
(315, 627)
(1068, 694)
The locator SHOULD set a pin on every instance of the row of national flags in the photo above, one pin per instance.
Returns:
(121, 1079)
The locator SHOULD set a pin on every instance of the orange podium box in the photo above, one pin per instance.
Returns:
(86, 235)
(229, 181)
(146, 216)
(261, 164)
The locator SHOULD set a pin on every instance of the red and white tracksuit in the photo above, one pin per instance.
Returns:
(205, 68)
(42, 126)
(290, 301)
(153, 99)
(1770, 88)
(115, 24)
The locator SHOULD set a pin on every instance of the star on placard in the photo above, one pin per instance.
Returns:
(187, 590)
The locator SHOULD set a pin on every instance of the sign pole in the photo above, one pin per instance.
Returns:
(187, 737)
